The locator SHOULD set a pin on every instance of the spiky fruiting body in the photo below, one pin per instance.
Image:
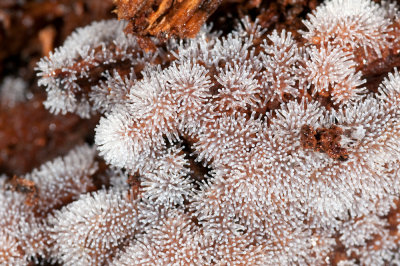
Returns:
(301, 157)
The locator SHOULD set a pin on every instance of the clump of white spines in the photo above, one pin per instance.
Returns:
(90, 230)
(351, 24)
(237, 105)
(21, 233)
(24, 229)
(101, 45)
(64, 179)
(280, 61)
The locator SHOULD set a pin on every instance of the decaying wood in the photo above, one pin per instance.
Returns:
(165, 18)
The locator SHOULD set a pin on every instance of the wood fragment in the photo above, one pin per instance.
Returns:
(165, 18)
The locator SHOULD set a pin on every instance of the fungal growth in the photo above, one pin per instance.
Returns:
(255, 147)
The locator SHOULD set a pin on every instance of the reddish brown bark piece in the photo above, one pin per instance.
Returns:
(165, 18)
(324, 140)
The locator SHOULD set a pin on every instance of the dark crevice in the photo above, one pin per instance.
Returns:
(198, 172)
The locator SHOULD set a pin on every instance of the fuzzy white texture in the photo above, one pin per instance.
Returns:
(64, 178)
(21, 233)
(225, 137)
(172, 240)
(263, 177)
(104, 98)
(89, 230)
(167, 183)
(189, 84)
(59, 71)
(233, 78)
(333, 67)
(350, 24)
(280, 62)
(266, 200)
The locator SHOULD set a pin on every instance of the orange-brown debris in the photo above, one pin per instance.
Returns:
(46, 38)
(26, 187)
(165, 18)
(324, 140)
(134, 183)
